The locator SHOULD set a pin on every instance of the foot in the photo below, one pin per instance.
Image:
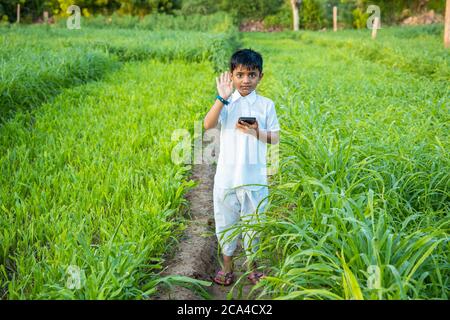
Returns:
(255, 277)
(224, 278)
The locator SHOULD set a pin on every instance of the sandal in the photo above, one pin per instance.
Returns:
(255, 277)
(223, 278)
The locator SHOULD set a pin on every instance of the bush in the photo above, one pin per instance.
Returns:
(311, 15)
(190, 7)
(283, 18)
(256, 9)
(217, 22)
(359, 18)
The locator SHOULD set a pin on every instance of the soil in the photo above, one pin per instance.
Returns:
(429, 17)
(197, 254)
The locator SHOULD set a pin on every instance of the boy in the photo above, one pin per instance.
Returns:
(240, 183)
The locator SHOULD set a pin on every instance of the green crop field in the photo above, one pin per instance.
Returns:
(359, 207)
(364, 183)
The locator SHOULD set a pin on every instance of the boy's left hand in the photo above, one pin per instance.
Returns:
(251, 129)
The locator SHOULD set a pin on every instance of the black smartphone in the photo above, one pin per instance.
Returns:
(249, 120)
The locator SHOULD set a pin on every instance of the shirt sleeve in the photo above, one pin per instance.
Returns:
(272, 119)
(223, 115)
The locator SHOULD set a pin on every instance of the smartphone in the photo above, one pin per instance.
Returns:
(249, 120)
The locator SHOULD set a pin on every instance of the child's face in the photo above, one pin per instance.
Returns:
(244, 80)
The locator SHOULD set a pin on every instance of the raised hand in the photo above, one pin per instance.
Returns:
(224, 85)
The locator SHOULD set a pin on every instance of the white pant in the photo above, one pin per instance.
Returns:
(232, 205)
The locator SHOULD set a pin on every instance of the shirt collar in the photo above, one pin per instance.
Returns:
(250, 97)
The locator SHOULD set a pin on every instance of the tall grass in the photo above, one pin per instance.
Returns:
(417, 50)
(217, 22)
(91, 185)
(358, 210)
(360, 206)
(36, 63)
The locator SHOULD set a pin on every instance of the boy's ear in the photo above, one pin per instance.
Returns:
(261, 75)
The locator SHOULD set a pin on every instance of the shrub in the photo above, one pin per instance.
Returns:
(311, 15)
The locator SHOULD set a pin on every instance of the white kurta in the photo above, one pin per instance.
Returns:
(242, 157)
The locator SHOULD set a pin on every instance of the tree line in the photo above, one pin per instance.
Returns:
(313, 14)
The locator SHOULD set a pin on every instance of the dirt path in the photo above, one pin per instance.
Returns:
(196, 255)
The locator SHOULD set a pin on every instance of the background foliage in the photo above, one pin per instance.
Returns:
(314, 14)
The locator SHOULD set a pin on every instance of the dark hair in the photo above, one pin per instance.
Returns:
(247, 58)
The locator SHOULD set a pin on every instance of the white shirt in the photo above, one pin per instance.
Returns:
(242, 157)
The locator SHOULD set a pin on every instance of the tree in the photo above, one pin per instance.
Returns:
(295, 4)
(255, 9)
(447, 25)
(199, 6)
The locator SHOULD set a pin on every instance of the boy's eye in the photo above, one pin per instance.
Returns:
(251, 75)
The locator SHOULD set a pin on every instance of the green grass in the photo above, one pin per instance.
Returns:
(419, 51)
(91, 184)
(364, 182)
(38, 62)
(217, 22)
(358, 210)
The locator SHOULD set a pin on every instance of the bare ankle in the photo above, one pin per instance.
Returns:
(227, 264)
